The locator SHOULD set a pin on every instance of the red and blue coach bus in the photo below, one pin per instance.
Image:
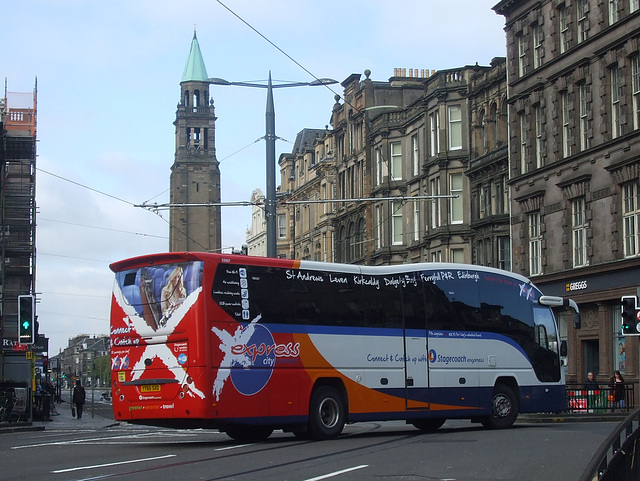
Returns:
(251, 344)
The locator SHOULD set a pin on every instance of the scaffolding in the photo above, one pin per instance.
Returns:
(18, 207)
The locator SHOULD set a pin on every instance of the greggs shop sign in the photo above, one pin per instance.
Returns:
(576, 286)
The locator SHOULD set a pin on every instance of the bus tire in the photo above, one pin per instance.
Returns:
(249, 433)
(428, 425)
(504, 408)
(327, 413)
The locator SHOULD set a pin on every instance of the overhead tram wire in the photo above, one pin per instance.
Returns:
(285, 53)
(113, 197)
(84, 186)
(101, 228)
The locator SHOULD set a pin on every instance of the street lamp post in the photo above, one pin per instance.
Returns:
(270, 138)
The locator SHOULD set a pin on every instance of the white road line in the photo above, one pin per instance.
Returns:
(80, 468)
(338, 473)
(235, 446)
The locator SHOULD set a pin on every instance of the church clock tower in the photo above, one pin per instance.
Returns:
(195, 174)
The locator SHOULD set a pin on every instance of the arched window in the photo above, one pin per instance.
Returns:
(186, 98)
(360, 239)
(483, 131)
(343, 245)
(494, 121)
(196, 99)
(352, 242)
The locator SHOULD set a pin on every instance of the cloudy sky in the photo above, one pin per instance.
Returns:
(108, 77)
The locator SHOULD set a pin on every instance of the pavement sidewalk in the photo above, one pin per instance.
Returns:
(62, 421)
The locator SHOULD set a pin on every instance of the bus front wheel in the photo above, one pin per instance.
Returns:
(504, 408)
(326, 413)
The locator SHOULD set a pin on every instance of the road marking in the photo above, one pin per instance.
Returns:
(338, 473)
(235, 446)
(80, 468)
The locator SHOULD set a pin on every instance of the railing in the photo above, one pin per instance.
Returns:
(580, 400)
(617, 458)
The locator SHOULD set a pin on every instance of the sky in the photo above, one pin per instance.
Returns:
(108, 84)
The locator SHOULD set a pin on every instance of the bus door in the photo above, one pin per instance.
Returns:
(415, 344)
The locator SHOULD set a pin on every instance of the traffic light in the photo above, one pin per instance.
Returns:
(26, 333)
(630, 316)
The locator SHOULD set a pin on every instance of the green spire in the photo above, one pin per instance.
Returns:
(195, 69)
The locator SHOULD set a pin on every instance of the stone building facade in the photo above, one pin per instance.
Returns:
(574, 166)
(413, 170)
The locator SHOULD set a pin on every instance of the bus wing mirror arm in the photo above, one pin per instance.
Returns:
(554, 301)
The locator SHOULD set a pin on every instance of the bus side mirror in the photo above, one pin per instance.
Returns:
(564, 349)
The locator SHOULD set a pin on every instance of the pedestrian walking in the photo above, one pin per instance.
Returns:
(78, 399)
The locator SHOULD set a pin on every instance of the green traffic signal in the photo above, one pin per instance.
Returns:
(25, 319)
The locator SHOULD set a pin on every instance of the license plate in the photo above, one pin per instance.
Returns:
(150, 388)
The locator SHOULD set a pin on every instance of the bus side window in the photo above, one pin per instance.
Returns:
(541, 337)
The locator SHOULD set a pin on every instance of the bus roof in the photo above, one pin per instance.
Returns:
(173, 257)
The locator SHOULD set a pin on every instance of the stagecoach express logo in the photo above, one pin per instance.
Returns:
(249, 357)
(446, 360)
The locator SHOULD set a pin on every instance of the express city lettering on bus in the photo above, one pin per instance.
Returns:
(279, 350)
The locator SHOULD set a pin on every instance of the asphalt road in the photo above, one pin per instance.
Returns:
(98, 448)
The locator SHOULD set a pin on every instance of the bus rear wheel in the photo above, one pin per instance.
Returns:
(428, 425)
(504, 408)
(327, 413)
(249, 433)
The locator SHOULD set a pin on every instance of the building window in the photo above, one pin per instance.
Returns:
(616, 93)
(435, 136)
(538, 50)
(564, 106)
(538, 113)
(396, 161)
(635, 85)
(379, 167)
(456, 205)
(579, 231)
(502, 196)
(494, 119)
(522, 55)
(379, 225)
(396, 223)
(436, 256)
(415, 153)
(584, 118)
(504, 253)
(485, 201)
(634, 5)
(483, 130)
(613, 12)
(434, 188)
(523, 144)
(416, 221)
(631, 218)
(456, 255)
(564, 28)
(583, 20)
(535, 244)
(282, 226)
(455, 127)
